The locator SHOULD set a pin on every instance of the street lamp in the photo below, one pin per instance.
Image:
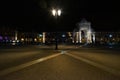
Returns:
(56, 13)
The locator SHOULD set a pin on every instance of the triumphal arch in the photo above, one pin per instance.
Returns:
(83, 33)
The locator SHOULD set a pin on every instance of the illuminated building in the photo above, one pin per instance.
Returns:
(84, 33)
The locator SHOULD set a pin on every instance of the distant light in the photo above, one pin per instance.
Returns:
(13, 41)
(17, 41)
(35, 39)
(40, 35)
(22, 39)
(63, 35)
(59, 12)
(110, 35)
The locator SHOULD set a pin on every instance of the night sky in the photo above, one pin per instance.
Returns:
(35, 15)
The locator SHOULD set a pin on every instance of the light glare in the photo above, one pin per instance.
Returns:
(59, 12)
(54, 12)
(22, 39)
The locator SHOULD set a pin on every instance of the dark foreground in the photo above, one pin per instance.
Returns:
(67, 63)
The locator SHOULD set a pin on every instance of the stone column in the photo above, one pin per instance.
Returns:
(77, 37)
(43, 37)
(94, 37)
(80, 36)
(16, 35)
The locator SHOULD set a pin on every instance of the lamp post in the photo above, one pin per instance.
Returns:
(56, 13)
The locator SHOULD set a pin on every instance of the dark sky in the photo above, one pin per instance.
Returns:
(35, 15)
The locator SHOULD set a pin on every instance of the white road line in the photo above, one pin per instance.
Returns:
(16, 68)
(108, 69)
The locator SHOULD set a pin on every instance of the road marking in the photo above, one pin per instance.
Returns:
(108, 69)
(63, 52)
(16, 68)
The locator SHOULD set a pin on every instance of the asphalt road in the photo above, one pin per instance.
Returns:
(15, 56)
(67, 64)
